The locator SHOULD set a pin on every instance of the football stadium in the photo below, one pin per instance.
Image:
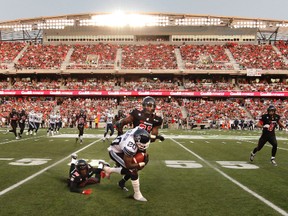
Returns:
(211, 78)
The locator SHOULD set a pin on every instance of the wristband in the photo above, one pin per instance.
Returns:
(141, 164)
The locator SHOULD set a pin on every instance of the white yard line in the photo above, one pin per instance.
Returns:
(267, 202)
(43, 170)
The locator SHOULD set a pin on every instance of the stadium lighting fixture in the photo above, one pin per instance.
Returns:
(120, 19)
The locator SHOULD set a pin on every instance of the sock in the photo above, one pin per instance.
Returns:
(136, 188)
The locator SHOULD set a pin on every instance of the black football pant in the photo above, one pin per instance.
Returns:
(14, 127)
(263, 139)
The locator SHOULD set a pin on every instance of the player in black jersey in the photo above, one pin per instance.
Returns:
(81, 174)
(81, 122)
(22, 119)
(268, 122)
(146, 119)
(13, 120)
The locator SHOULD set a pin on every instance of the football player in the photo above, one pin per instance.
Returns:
(38, 120)
(268, 122)
(52, 124)
(122, 151)
(31, 122)
(81, 174)
(13, 119)
(109, 119)
(120, 115)
(81, 122)
(22, 119)
(146, 119)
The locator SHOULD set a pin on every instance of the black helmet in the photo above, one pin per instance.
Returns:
(13, 110)
(141, 138)
(81, 165)
(149, 101)
(271, 108)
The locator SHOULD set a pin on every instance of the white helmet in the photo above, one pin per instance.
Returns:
(141, 138)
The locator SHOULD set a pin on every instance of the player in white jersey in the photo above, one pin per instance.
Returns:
(122, 151)
(31, 122)
(109, 126)
(58, 123)
(52, 124)
(38, 121)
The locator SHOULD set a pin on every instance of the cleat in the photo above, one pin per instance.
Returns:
(27, 133)
(252, 156)
(104, 139)
(123, 187)
(273, 162)
(104, 163)
(17, 138)
(74, 156)
(6, 132)
(31, 132)
(81, 142)
(141, 198)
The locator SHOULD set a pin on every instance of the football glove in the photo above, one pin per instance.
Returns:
(87, 192)
(161, 138)
(146, 159)
(266, 126)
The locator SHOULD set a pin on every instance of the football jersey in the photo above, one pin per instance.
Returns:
(38, 117)
(81, 119)
(272, 121)
(13, 117)
(52, 119)
(23, 117)
(31, 116)
(125, 143)
(110, 118)
(145, 120)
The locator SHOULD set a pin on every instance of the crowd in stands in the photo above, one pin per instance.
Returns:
(110, 83)
(38, 56)
(257, 56)
(96, 56)
(205, 57)
(149, 56)
(282, 47)
(10, 50)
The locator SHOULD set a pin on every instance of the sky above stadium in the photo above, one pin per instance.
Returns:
(19, 9)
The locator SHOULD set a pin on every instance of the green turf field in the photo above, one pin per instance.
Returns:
(199, 172)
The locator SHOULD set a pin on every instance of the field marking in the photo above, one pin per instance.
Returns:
(21, 139)
(267, 202)
(43, 170)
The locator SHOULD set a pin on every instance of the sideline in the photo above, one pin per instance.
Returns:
(267, 202)
(43, 170)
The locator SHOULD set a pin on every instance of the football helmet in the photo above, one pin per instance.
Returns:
(149, 102)
(141, 138)
(271, 108)
(81, 165)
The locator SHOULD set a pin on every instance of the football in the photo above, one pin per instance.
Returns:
(139, 157)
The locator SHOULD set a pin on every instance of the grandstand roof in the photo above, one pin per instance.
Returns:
(32, 28)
